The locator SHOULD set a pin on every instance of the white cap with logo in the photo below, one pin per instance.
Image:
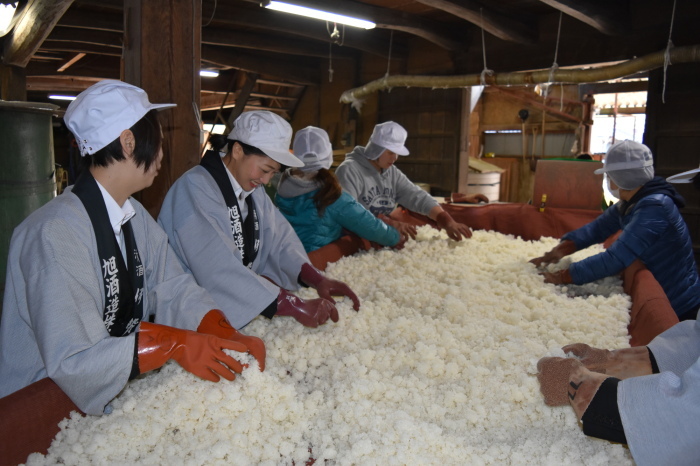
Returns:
(268, 132)
(313, 147)
(388, 135)
(102, 111)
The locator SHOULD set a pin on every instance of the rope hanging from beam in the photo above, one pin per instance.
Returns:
(686, 54)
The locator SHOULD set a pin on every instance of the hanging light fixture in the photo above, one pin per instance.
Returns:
(7, 11)
(318, 14)
(209, 73)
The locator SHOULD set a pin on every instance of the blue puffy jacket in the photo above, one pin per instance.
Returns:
(315, 231)
(653, 231)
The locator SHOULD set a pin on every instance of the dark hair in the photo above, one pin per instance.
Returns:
(148, 136)
(219, 141)
(330, 190)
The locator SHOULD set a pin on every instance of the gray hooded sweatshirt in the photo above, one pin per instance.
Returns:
(380, 193)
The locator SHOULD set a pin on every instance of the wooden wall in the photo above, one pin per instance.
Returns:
(672, 133)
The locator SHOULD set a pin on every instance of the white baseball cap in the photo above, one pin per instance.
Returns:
(629, 164)
(685, 177)
(268, 132)
(102, 111)
(390, 135)
(313, 147)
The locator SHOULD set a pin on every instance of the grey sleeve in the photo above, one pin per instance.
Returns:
(411, 196)
(205, 247)
(350, 181)
(65, 306)
(172, 294)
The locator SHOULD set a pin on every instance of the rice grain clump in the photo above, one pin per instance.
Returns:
(437, 367)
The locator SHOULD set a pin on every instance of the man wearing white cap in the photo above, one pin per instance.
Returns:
(652, 231)
(311, 198)
(233, 239)
(94, 294)
(368, 174)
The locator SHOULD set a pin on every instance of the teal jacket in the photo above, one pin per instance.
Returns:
(316, 231)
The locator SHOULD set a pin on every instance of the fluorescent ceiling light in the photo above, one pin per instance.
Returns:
(319, 14)
(62, 97)
(6, 14)
(209, 73)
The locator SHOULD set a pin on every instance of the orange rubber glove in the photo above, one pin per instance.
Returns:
(561, 250)
(453, 229)
(310, 313)
(198, 353)
(327, 287)
(216, 323)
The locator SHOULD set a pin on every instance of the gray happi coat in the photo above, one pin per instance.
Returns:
(380, 193)
(661, 412)
(196, 219)
(52, 319)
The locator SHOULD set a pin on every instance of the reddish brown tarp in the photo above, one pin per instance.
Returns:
(29, 418)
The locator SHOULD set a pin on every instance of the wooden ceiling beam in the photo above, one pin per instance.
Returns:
(101, 38)
(495, 23)
(375, 42)
(271, 43)
(280, 68)
(61, 83)
(607, 17)
(36, 22)
(77, 47)
(386, 18)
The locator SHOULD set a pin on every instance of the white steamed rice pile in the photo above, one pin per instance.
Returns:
(438, 367)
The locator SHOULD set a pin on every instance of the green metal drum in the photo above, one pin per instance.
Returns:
(26, 167)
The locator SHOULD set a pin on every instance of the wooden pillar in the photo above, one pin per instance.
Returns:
(162, 49)
(13, 83)
(464, 136)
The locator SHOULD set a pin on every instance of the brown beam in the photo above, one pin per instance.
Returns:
(70, 62)
(243, 96)
(60, 83)
(271, 43)
(77, 47)
(103, 38)
(499, 25)
(537, 103)
(607, 17)
(13, 81)
(36, 23)
(280, 68)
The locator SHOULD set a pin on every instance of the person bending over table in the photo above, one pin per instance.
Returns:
(652, 231)
(227, 232)
(94, 295)
(369, 175)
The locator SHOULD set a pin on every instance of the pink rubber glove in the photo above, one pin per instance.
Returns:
(310, 313)
(453, 229)
(327, 287)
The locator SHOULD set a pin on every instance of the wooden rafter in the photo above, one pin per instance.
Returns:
(387, 18)
(501, 26)
(604, 16)
(36, 23)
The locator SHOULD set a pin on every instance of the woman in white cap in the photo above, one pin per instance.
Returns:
(311, 198)
(368, 174)
(90, 271)
(233, 239)
(652, 231)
